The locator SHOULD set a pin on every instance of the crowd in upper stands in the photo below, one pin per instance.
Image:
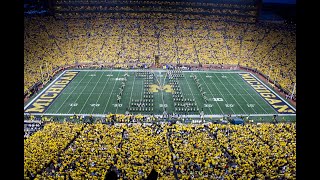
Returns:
(51, 43)
(216, 3)
(88, 151)
(230, 12)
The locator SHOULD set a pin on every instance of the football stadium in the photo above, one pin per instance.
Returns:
(164, 89)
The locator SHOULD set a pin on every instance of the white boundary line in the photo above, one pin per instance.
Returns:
(35, 98)
(273, 92)
(159, 115)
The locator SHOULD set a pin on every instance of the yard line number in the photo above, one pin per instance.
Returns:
(229, 105)
(94, 105)
(117, 105)
(163, 105)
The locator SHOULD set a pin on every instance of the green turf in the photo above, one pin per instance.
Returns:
(95, 92)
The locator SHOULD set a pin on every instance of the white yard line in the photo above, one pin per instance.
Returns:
(35, 98)
(212, 94)
(165, 78)
(229, 93)
(260, 96)
(199, 94)
(141, 95)
(60, 93)
(153, 71)
(255, 112)
(71, 93)
(105, 84)
(115, 82)
(249, 94)
(192, 94)
(132, 90)
(90, 94)
(122, 94)
(161, 91)
(81, 93)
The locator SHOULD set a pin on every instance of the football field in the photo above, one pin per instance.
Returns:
(216, 93)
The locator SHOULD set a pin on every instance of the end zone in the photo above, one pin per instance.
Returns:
(43, 100)
(276, 102)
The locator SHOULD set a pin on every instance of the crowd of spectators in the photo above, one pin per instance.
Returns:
(153, 15)
(51, 43)
(44, 145)
(88, 151)
(216, 3)
(139, 8)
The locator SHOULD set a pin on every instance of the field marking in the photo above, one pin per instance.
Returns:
(259, 95)
(91, 94)
(115, 82)
(193, 95)
(159, 115)
(105, 84)
(164, 79)
(183, 94)
(81, 93)
(35, 98)
(222, 95)
(123, 91)
(211, 94)
(160, 80)
(255, 112)
(141, 95)
(230, 94)
(161, 91)
(71, 93)
(60, 93)
(249, 93)
(273, 92)
(134, 78)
